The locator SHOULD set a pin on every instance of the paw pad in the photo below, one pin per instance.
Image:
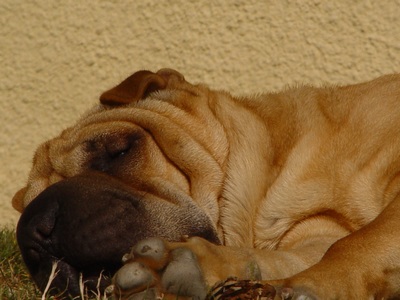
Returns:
(153, 268)
(134, 277)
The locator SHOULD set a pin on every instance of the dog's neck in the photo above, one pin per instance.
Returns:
(246, 167)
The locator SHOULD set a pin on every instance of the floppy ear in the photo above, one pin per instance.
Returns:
(134, 88)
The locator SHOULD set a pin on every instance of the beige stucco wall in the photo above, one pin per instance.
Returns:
(58, 56)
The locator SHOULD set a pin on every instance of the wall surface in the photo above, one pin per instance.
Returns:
(58, 56)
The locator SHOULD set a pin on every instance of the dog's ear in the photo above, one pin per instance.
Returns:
(134, 88)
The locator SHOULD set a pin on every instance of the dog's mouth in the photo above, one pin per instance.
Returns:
(85, 224)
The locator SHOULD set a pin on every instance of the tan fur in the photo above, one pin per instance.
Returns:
(282, 176)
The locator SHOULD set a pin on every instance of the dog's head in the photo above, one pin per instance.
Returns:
(149, 161)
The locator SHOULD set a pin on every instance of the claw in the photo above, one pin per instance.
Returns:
(126, 258)
(185, 238)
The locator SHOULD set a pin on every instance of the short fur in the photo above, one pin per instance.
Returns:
(304, 182)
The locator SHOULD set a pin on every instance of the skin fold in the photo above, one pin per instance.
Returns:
(297, 190)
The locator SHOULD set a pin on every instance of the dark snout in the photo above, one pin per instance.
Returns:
(86, 223)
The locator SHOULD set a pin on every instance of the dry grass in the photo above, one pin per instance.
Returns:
(15, 282)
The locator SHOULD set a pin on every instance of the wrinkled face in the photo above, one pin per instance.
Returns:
(121, 174)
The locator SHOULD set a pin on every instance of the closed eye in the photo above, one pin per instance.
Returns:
(115, 152)
(121, 145)
(106, 150)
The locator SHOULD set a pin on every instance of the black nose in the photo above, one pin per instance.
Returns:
(85, 223)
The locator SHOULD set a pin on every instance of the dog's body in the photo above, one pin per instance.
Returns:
(302, 185)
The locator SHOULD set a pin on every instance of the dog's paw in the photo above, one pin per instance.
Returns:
(153, 269)
(156, 269)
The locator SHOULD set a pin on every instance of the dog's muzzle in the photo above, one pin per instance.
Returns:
(86, 223)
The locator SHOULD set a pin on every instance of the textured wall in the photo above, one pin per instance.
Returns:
(58, 56)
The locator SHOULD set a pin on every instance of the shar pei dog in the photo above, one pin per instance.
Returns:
(170, 190)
